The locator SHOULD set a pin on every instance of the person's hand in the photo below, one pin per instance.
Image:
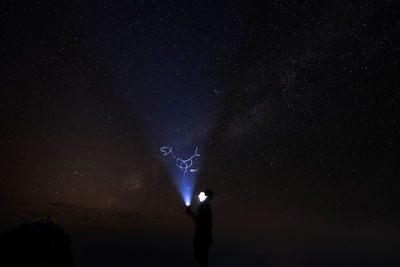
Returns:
(189, 210)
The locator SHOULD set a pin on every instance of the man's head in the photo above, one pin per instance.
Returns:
(206, 196)
(209, 194)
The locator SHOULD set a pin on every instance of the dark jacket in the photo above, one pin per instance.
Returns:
(202, 234)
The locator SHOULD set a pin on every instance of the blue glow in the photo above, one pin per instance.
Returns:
(187, 202)
(184, 185)
(186, 189)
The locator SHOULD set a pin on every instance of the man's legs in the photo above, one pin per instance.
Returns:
(203, 257)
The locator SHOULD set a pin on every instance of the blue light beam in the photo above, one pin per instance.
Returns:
(186, 185)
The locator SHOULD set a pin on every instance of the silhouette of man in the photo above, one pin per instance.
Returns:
(202, 235)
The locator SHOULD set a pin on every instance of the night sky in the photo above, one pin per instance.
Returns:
(294, 106)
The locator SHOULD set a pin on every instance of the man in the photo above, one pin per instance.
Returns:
(202, 235)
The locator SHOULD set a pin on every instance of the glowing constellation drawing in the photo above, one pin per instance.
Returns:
(180, 163)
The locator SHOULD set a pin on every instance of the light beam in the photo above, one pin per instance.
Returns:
(186, 185)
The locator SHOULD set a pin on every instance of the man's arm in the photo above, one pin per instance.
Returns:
(191, 213)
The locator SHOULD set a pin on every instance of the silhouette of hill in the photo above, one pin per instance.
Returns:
(36, 243)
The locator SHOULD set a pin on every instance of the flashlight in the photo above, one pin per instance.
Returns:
(202, 196)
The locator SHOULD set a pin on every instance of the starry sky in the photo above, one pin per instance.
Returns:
(293, 104)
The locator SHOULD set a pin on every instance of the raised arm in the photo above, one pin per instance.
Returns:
(191, 213)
